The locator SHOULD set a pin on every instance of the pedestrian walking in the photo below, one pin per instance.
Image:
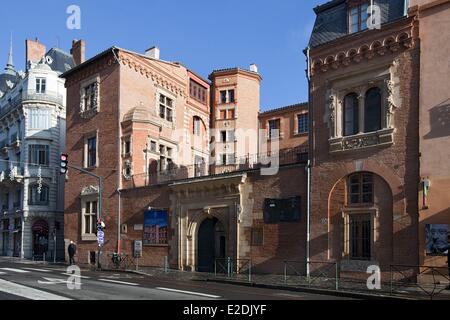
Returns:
(72, 250)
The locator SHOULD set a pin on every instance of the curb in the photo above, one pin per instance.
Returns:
(346, 294)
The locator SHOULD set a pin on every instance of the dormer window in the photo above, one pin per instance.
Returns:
(358, 16)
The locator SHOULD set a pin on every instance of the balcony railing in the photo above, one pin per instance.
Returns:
(25, 96)
(252, 162)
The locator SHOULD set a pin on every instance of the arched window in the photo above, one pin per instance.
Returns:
(372, 110)
(351, 114)
(36, 198)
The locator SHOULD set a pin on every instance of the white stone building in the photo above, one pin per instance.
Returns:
(32, 137)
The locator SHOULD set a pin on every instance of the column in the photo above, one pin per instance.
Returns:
(361, 101)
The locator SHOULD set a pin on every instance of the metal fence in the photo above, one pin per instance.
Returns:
(238, 269)
(429, 281)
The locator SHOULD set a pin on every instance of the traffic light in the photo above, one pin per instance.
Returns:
(64, 163)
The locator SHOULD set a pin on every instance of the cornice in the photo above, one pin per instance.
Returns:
(373, 45)
(160, 77)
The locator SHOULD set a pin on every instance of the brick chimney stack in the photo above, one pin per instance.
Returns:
(35, 51)
(78, 51)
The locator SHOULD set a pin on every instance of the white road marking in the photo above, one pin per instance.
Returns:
(190, 292)
(27, 292)
(2, 273)
(54, 281)
(38, 270)
(75, 276)
(119, 282)
(15, 270)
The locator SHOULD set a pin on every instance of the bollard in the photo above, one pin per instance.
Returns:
(229, 267)
(43, 257)
(166, 264)
(285, 272)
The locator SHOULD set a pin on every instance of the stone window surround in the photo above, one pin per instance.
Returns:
(335, 104)
(168, 94)
(85, 199)
(227, 89)
(89, 113)
(280, 130)
(375, 220)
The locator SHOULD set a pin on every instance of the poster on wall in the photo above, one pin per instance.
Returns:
(155, 227)
(436, 236)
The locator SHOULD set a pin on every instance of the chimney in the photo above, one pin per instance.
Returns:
(153, 53)
(78, 51)
(254, 68)
(35, 51)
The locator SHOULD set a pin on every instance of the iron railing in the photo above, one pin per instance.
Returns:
(322, 274)
(238, 164)
(233, 268)
(428, 280)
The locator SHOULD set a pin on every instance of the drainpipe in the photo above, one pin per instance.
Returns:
(119, 220)
(406, 8)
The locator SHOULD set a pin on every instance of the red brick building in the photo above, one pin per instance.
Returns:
(144, 125)
(364, 89)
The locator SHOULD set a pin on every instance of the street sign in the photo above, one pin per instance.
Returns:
(100, 237)
(138, 249)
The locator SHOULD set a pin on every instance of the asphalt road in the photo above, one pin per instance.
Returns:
(32, 281)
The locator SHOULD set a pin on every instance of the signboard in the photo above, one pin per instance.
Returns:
(282, 210)
(436, 236)
(100, 237)
(138, 249)
(155, 227)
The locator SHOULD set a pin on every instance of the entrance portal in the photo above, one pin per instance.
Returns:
(211, 244)
(40, 238)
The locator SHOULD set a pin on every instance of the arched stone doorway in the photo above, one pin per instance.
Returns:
(211, 244)
(40, 237)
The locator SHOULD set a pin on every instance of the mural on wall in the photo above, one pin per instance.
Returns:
(155, 227)
(436, 236)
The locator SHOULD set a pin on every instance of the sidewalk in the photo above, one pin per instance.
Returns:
(346, 287)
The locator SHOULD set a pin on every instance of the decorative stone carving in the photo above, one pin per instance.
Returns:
(89, 191)
(390, 106)
(332, 110)
(360, 142)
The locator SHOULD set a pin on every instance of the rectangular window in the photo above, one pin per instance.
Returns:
(197, 92)
(90, 217)
(257, 237)
(231, 114)
(90, 94)
(91, 152)
(230, 136)
(39, 119)
(41, 84)
(231, 96)
(274, 128)
(303, 123)
(223, 114)
(39, 154)
(360, 236)
(152, 146)
(223, 97)
(358, 17)
(127, 147)
(223, 136)
(360, 189)
(165, 108)
(227, 96)
(197, 126)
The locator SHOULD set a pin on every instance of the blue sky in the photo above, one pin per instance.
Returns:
(202, 34)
